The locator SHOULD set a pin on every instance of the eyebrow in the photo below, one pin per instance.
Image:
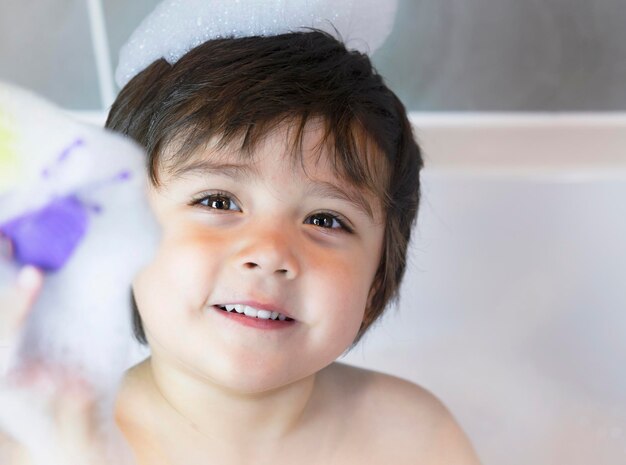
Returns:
(204, 167)
(322, 189)
(331, 191)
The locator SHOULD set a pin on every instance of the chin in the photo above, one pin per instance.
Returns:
(254, 376)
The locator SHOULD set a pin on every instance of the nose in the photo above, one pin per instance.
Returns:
(269, 252)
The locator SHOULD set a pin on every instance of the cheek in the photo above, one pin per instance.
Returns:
(180, 277)
(350, 286)
(344, 284)
(355, 272)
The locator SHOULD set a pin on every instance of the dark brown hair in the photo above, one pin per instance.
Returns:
(236, 90)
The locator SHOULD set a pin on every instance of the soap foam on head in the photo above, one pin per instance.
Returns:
(177, 26)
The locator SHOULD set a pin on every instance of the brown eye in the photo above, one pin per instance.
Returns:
(323, 221)
(218, 202)
(327, 221)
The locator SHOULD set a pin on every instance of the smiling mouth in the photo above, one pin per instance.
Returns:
(252, 312)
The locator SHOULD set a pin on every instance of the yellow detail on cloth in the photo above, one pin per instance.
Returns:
(9, 161)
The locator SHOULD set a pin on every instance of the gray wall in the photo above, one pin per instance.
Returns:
(45, 45)
(508, 55)
(444, 55)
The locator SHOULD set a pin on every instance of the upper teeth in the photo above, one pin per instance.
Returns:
(253, 312)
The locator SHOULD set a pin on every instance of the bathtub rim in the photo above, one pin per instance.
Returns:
(556, 146)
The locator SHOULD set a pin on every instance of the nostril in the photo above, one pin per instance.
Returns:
(252, 266)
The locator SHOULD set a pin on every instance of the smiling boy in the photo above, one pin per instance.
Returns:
(286, 182)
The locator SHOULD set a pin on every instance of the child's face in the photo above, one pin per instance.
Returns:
(266, 234)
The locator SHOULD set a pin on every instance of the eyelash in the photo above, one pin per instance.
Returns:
(334, 217)
(343, 226)
(219, 194)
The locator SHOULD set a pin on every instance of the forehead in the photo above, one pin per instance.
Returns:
(310, 143)
(309, 159)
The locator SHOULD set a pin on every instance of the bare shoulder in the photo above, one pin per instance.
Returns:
(136, 399)
(132, 405)
(400, 416)
(135, 414)
(133, 383)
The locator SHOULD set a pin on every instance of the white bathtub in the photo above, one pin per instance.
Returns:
(513, 309)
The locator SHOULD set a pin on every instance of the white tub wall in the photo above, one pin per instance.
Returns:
(557, 145)
(512, 308)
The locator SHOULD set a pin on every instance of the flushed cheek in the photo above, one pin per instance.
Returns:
(344, 290)
(181, 277)
(171, 295)
(347, 277)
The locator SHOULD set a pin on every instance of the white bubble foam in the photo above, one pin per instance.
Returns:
(81, 320)
(177, 26)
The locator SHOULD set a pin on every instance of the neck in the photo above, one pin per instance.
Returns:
(221, 414)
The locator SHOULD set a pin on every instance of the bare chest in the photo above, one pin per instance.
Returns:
(344, 443)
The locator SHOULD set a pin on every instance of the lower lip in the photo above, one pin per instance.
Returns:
(254, 322)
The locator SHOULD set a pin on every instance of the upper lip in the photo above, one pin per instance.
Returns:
(258, 305)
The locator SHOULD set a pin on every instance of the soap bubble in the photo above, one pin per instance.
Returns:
(177, 26)
(82, 319)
